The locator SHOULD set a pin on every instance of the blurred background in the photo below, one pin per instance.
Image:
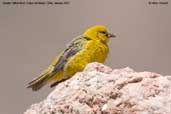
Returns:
(31, 36)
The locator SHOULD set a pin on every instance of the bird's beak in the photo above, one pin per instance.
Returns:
(110, 35)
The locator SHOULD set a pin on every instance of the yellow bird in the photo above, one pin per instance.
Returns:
(89, 47)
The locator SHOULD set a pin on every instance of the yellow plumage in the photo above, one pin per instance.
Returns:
(89, 47)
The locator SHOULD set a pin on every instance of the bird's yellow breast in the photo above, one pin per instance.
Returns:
(93, 51)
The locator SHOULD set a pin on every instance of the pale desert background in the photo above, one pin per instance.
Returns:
(32, 35)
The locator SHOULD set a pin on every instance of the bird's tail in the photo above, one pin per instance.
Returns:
(39, 82)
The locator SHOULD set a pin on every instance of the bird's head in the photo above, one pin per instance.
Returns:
(98, 32)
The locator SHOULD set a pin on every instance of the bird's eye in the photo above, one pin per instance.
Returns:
(103, 32)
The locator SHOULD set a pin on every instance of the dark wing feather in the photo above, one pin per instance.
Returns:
(74, 47)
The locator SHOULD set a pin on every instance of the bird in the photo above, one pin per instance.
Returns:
(91, 46)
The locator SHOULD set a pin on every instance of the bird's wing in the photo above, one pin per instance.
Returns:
(58, 64)
(71, 49)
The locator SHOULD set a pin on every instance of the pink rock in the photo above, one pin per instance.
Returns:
(101, 90)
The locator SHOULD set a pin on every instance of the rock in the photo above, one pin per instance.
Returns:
(101, 90)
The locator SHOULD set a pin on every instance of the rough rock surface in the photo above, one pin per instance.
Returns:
(101, 90)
